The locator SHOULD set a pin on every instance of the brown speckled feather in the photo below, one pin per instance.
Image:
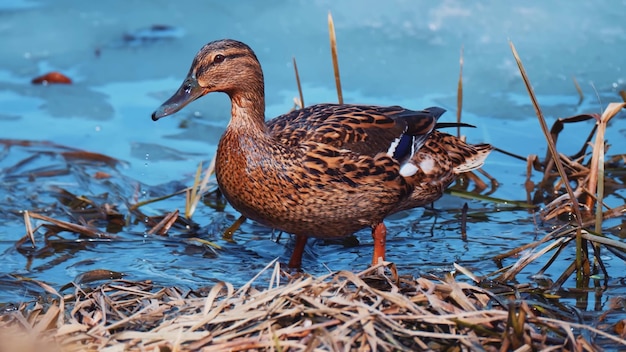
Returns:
(326, 186)
(362, 129)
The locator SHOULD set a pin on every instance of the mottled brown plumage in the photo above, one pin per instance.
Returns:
(326, 170)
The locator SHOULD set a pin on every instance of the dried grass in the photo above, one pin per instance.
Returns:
(199, 188)
(577, 204)
(333, 52)
(300, 93)
(343, 311)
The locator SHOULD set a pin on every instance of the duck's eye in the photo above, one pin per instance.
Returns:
(218, 58)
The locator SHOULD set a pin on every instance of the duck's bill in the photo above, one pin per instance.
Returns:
(188, 92)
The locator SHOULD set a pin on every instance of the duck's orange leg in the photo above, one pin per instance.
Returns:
(298, 250)
(379, 234)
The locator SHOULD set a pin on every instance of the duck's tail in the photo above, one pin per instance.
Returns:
(467, 157)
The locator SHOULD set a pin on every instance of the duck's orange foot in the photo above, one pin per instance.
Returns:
(379, 234)
(296, 258)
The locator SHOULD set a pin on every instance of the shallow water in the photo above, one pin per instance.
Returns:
(402, 53)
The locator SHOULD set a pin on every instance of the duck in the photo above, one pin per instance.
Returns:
(323, 171)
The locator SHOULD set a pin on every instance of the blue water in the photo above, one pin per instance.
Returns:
(395, 52)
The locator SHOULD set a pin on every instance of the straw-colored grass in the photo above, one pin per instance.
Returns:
(343, 311)
(333, 53)
(579, 203)
(300, 94)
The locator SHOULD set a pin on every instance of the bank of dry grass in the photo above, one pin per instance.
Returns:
(343, 311)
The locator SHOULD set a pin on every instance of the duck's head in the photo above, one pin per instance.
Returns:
(225, 66)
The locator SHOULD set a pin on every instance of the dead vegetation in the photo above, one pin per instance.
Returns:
(581, 209)
(338, 312)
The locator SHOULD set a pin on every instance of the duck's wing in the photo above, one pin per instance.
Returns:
(361, 129)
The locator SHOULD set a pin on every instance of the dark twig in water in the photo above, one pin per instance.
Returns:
(464, 222)
(228, 233)
(509, 154)
(163, 226)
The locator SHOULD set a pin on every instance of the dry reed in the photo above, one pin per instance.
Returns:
(343, 311)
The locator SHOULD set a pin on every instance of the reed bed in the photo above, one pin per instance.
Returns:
(343, 311)
(579, 211)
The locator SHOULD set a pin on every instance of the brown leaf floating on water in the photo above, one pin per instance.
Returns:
(97, 275)
(51, 78)
(81, 155)
(100, 175)
(620, 328)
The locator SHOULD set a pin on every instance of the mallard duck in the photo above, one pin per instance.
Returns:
(327, 170)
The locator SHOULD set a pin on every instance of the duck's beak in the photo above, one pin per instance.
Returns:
(188, 92)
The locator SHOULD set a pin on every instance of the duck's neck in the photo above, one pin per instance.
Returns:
(248, 107)
(247, 114)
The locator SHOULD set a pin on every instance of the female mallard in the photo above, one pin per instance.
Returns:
(327, 170)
